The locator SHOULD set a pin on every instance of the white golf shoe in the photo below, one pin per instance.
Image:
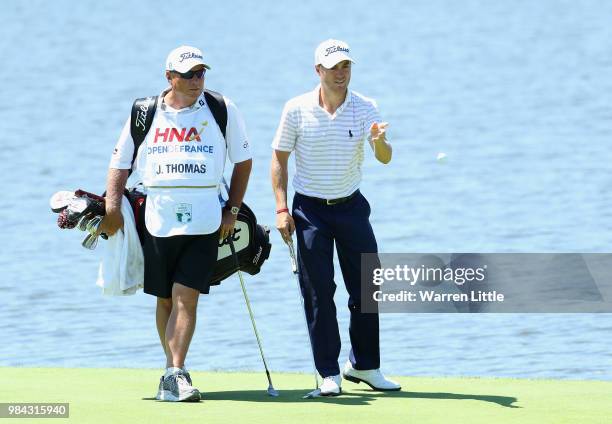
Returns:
(373, 378)
(175, 386)
(331, 386)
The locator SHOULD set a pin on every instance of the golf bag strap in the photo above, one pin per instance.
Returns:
(216, 103)
(141, 118)
(143, 111)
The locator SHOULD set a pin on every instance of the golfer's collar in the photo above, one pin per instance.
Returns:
(199, 103)
(347, 100)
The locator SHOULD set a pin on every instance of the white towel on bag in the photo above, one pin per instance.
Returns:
(121, 270)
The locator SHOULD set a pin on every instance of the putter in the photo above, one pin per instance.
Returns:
(271, 391)
(316, 392)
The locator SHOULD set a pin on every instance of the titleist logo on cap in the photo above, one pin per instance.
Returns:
(335, 49)
(189, 55)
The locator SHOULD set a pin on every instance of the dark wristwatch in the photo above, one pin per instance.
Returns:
(233, 209)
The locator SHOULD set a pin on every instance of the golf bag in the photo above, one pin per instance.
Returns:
(251, 240)
(251, 243)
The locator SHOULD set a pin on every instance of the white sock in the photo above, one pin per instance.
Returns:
(171, 370)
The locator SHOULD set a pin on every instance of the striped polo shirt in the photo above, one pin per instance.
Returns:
(328, 148)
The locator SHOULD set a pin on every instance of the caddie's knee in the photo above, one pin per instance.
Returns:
(185, 297)
(164, 304)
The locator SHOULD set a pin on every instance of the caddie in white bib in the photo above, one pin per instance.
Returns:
(181, 163)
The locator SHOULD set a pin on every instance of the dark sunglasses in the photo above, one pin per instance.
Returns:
(191, 74)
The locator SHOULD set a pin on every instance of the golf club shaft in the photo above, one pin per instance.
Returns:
(246, 299)
(299, 287)
(248, 304)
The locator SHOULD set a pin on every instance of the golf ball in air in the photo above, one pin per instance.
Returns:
(441, 157)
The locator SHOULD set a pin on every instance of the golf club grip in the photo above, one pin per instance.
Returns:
(292, 255)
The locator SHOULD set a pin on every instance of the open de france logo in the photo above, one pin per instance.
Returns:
(183, 212)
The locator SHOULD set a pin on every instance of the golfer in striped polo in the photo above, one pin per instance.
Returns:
(327, 128)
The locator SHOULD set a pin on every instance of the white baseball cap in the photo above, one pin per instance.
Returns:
(183, 58)
(330, 52)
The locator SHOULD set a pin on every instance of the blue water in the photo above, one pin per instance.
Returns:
(515, 92)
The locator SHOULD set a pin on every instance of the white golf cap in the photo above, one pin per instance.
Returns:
(330, 52)
(183, 58)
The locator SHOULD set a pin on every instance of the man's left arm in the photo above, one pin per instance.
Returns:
(378, 140)
(239, 153)
(239, 182)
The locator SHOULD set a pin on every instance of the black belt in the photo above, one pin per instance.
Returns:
(331, 202)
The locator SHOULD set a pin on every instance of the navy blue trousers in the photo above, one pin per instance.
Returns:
(318, 226)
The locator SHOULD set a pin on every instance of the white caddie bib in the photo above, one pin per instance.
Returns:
(184, 150)
(181, 166)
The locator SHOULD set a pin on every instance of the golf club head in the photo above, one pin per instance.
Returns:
(93, 225)
(76, 213)
(272, 392)
(83, 222)
(314, 394)
(90, 242)
(60, 200)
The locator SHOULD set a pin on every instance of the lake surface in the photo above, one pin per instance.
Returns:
(516, 93)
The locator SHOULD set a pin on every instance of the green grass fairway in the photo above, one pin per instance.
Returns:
(127, 396)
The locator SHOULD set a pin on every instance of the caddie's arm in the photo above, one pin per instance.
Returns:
(378, 140)
(238, 186)
(278, 175)
(115, 184)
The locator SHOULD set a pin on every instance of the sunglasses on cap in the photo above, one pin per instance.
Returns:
(190, 74)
